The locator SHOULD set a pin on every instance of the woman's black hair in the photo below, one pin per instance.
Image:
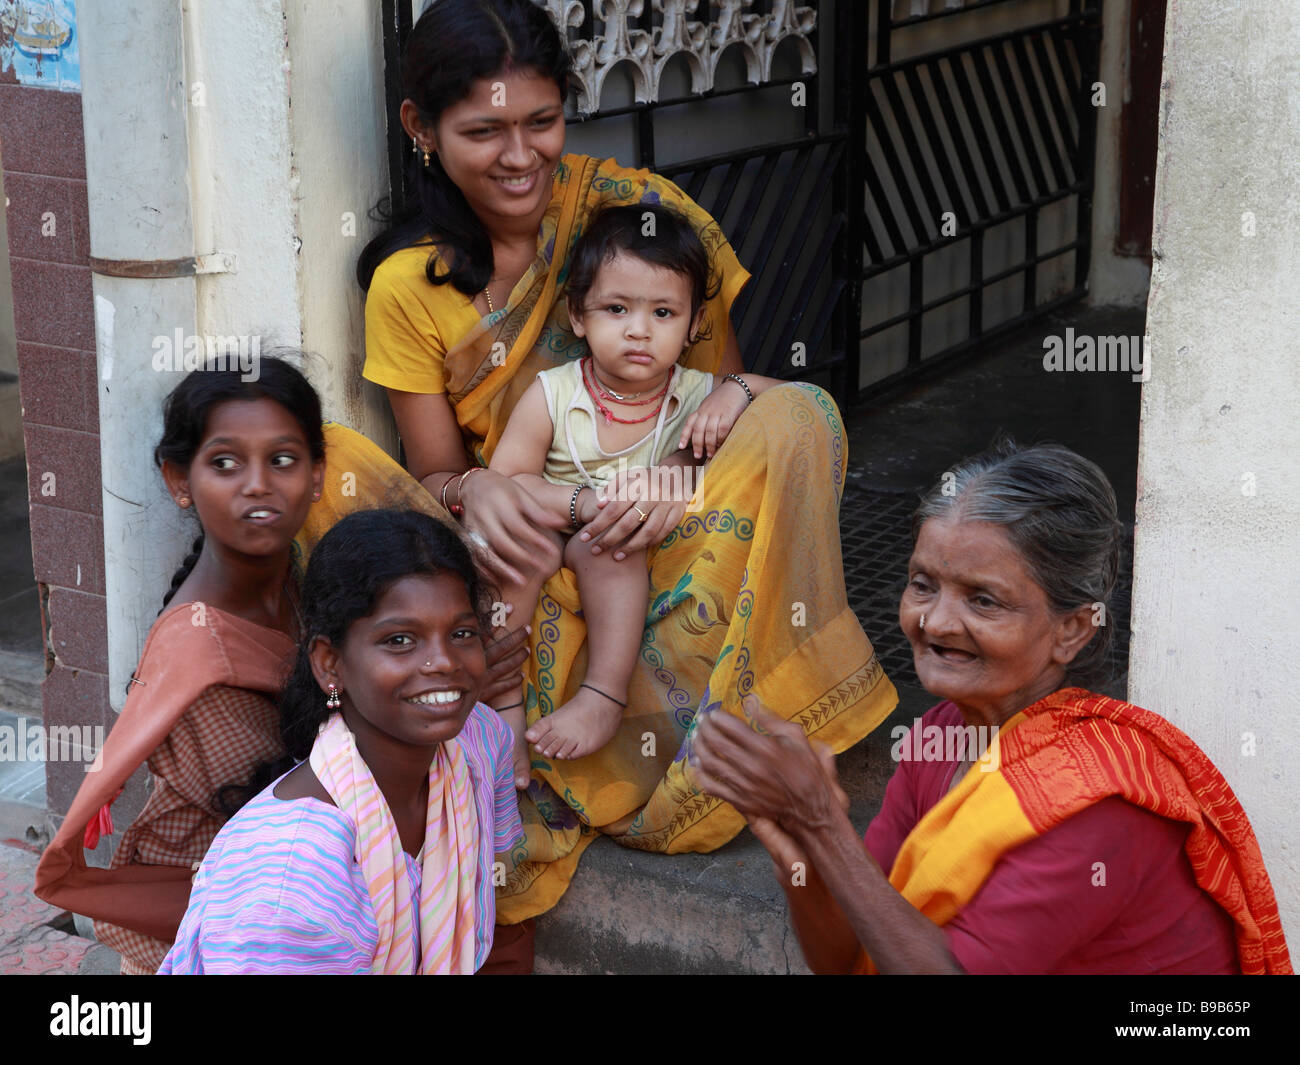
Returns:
(655, 234)
(452, 45)
(350, 569)
(187, 408)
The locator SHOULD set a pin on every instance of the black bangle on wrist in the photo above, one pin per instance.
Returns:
(573, 507)
(740, 381)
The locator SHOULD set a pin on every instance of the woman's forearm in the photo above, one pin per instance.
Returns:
(436, 482)
(556, 497)
(899, 938)
(829, 944)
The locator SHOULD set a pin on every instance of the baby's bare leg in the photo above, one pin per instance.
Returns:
(613, 598)
(523, 600)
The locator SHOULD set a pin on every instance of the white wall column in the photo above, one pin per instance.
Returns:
(248, 130)
(1216, 601)
(137, 178)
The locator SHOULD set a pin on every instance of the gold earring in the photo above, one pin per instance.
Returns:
(426, 156)
(184, 502)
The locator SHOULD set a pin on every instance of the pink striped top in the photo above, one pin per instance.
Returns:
(280, 890)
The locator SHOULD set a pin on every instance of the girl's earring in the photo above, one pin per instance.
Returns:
(315, 497)
(333, 702)
(426, 157)
(183, 502)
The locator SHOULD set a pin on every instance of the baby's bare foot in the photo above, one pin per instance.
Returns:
(584, 724)
(522, 764)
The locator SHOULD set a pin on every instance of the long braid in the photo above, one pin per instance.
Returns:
(186, 567)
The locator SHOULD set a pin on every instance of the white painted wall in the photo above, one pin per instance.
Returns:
(339, 167)
(1216, 602)
(137, 177)
(246, 127)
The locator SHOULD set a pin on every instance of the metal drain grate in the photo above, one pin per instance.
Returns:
(876, 541)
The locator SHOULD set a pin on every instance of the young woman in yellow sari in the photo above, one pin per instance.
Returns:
(465, 306)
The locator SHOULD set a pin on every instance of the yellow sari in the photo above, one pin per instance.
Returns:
(746, 594)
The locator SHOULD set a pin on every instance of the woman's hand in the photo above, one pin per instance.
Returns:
(505, 660)
(775, 774)
(787, 856)
(708, 425)
(508, 527)
(618, 525)
(846, 896)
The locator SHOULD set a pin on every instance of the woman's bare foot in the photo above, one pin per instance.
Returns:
(584, 724)
(523, 768)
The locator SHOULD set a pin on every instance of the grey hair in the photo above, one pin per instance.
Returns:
(1059, 511)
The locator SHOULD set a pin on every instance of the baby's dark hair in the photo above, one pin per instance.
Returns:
(655, 234)
(189, 405)
(350, 569)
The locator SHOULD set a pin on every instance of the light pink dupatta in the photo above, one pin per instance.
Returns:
(446, 905)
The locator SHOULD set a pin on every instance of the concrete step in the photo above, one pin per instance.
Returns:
(628, 912)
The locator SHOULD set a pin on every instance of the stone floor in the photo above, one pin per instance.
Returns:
(36, 938)
(721, 912)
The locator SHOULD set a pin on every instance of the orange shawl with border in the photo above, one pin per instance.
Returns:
(190, 648)
(1063, 754)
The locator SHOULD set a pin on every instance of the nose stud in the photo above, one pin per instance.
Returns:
(923, 623)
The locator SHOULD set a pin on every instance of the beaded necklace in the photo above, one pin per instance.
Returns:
(595, 390)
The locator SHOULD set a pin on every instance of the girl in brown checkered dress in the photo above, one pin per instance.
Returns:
(248, 458)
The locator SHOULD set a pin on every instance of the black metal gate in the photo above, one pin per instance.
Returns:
(893, 159)
(956, 142)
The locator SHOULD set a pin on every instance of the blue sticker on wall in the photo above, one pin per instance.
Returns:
(38, 44)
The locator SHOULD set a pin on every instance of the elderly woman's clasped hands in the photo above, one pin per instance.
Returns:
(788, 791)
(780, 782)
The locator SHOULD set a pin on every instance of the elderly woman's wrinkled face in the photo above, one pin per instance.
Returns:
(991, 642)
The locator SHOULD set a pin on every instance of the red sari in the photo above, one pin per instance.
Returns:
(1063, 758)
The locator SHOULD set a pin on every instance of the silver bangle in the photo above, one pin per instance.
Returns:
(573, 507)
(740, 381)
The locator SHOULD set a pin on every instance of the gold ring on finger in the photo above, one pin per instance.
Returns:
(643, 514)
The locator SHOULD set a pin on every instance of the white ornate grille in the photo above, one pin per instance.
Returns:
(673, 31)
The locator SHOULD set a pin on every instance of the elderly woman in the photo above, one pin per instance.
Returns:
(1093, 836)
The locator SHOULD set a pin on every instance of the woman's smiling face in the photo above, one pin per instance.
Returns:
(410, 671)
(991, 643)
(502, 142)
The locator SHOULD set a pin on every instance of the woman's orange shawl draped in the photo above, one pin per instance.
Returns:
(189, 649)
(1061, 755)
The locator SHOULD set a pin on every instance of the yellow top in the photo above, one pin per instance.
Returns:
(430, 339)
(411, 324)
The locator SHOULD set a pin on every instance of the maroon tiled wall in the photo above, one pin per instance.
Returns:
(45, 174)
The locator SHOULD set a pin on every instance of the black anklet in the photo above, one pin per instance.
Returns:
(606, 694)
(498, 709)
